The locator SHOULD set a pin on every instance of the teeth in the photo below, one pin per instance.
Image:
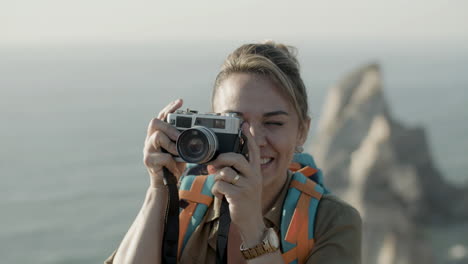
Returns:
(265, 161)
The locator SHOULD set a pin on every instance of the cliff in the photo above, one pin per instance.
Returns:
(385, 169)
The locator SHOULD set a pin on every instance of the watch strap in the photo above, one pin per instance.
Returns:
(260, 249)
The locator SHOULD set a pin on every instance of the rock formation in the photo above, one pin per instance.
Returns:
(385, 170)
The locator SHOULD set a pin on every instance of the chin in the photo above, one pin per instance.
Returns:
(271, 172)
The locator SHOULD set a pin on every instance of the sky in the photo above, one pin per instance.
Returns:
(32, 22)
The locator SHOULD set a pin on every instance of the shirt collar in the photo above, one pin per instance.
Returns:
(273, 216)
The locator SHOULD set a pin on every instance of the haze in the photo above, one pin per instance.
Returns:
(95, 21)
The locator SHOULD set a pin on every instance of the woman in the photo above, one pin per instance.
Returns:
(260, 82)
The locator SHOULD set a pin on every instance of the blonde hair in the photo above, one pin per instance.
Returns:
(272, 60)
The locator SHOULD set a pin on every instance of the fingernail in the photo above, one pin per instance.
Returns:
(211, 169)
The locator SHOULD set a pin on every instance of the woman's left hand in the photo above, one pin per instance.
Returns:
(244, 195)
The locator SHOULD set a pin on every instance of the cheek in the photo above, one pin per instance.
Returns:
(284, 146)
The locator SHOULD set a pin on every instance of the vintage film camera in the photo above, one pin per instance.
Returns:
(205, 136)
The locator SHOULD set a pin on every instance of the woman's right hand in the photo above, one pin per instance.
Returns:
(162, 135)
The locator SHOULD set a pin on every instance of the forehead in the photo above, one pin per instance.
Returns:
(249, 94)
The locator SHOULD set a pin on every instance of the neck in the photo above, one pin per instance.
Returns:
(274, 189)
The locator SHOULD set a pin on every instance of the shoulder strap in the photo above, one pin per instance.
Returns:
(196, 192)
(299, 211)
(301, 160)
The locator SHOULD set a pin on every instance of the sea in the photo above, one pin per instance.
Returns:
(73, 120)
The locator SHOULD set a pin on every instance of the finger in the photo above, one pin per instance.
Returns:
(228, 175)
(166, 109)
(160, 140)
(181, 167)
(170, 108)
(222, 189)
(155, 161)
(234, 160)
(157, 124)
(254, 151)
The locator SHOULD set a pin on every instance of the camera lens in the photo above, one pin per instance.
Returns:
(197, 145)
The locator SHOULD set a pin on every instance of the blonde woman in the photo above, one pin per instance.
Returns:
(262, 84)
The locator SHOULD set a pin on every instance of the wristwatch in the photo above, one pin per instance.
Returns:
(270, 243)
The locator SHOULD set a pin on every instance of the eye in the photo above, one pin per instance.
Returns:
(274, 123)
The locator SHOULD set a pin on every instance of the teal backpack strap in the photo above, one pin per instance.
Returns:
(305, 159)
(195, 191)
(301, 203)
(299, 211)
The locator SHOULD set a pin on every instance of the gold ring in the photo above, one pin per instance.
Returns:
(234, 181)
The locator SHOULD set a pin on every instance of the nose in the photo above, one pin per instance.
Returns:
(258, 134)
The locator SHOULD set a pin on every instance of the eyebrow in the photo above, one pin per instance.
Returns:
(268, 114)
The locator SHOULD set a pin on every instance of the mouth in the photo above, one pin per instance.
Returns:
(265, 162)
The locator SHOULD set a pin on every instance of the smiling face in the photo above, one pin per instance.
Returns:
(273, 121)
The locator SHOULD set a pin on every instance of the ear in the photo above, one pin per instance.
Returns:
(303, 132)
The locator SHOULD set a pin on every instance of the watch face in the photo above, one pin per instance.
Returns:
(273, 238)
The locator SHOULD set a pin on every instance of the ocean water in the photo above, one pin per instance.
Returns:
(73, 122)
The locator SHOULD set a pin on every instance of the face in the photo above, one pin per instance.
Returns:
(273, 121)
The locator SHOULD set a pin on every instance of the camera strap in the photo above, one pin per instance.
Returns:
(223, 231)
(171, 226)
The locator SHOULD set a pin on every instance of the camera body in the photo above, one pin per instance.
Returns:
(204, 136)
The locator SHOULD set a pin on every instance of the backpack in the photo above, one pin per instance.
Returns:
(299, 208)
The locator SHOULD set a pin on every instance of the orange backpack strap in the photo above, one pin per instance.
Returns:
(298, 219)
(196, 192)
(299, 208)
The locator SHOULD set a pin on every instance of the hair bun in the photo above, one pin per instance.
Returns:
(289, 51)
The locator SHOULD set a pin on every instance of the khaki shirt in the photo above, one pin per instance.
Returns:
(337, 232)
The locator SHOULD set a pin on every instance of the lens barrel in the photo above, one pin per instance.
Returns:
(197, 144)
